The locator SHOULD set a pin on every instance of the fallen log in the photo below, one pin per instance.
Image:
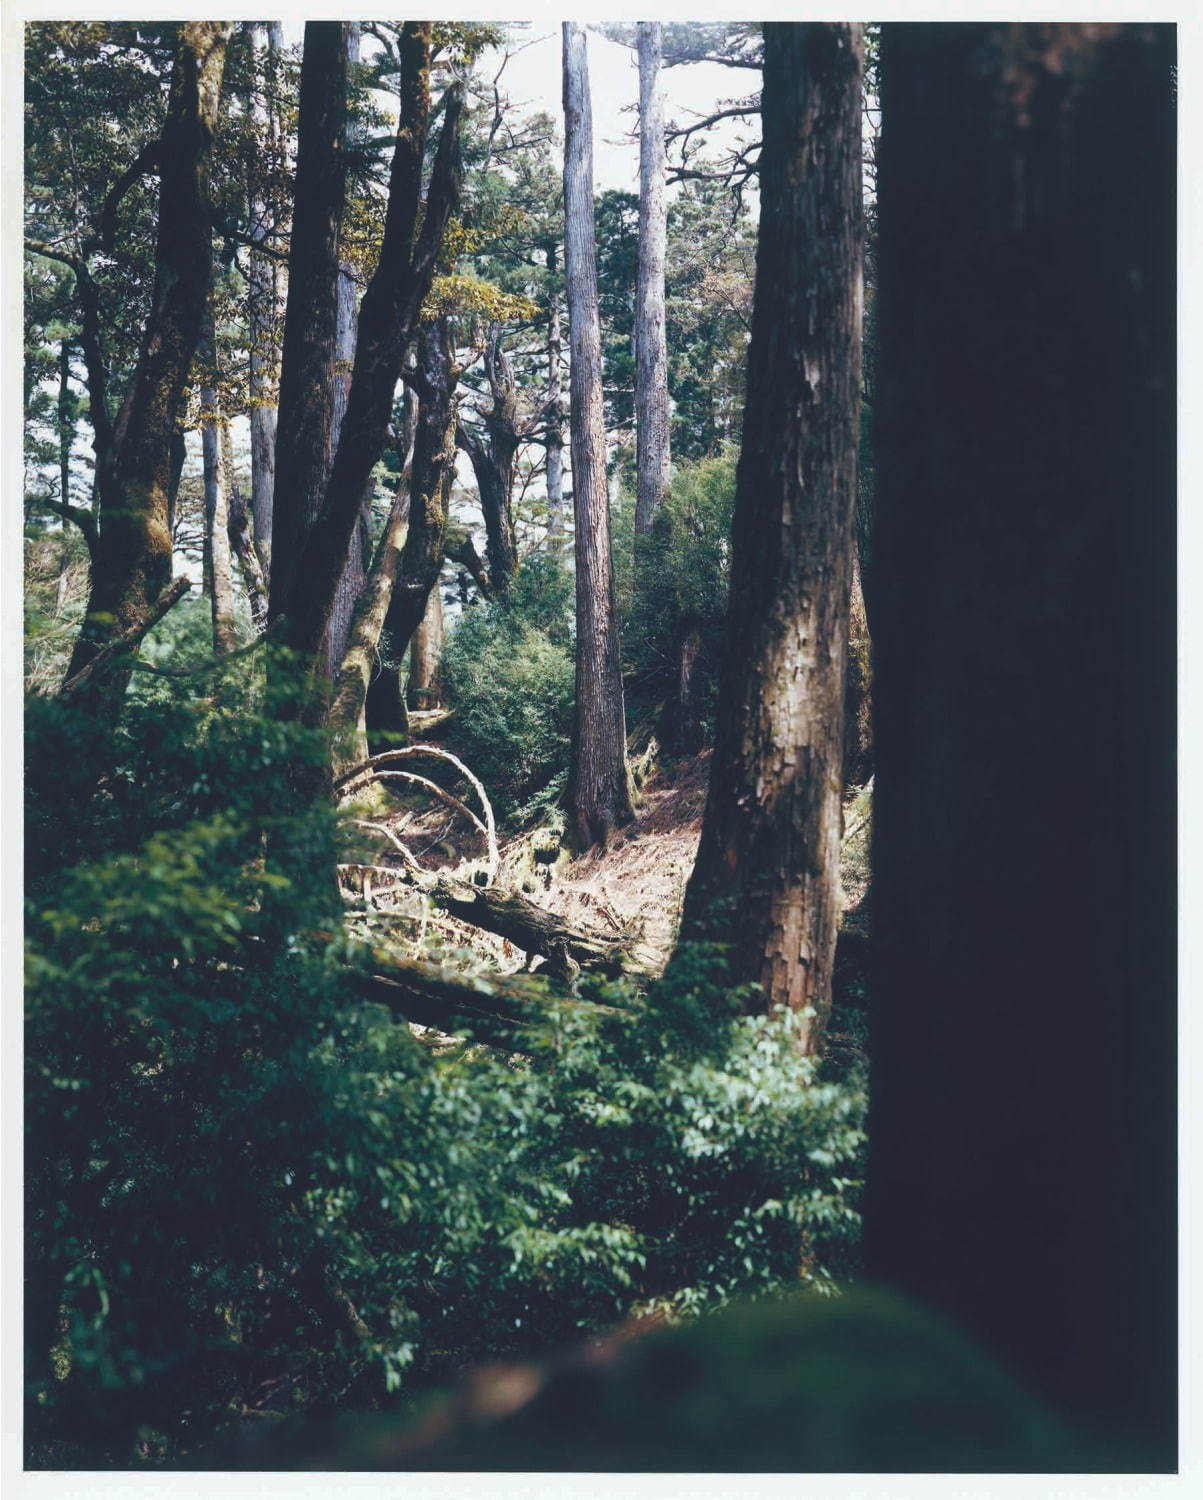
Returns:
(495, 1009)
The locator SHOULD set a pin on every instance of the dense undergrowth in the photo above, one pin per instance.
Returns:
(251, 1192)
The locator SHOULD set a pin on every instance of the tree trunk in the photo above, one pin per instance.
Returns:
(388, 316)
(354, 572)
(555, 418)
(767, 878)
(307, 374)
(361, 664)
(652, 460)
(432, 473)
(242, 539)
(599, 797)
(264, 300)
(425, 686)
(493, 464)
(132, 564)
(1022, 1170)
(66, 435)
(219, 583)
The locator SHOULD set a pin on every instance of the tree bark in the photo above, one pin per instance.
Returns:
(554, 430)
(132, 564)
(264, 300)
(493, 463)
(305, 419)
(432, 473)
(1022, 1160)
(242, 539)
(652, 457)
(425, 685)
(388, 317)
(354, 573)
(598, 797)
(767, 877)
(219, 583)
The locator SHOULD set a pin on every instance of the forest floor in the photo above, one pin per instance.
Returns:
(635, 885)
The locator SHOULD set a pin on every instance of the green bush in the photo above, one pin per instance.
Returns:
(678, 587)
(509, 675)
(248, 1190)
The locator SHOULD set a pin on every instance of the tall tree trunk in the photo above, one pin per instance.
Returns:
(493, 460)
(66, 435)
(425, 657)
(264, 299)
(354, 573)
(767, 878)
(1022, 1168)
(387, 320)
(432, 473)
(652, 459)
(132, 563)
(307, 375)
(599, 796)
(218, 580)
(361, 665)
(242, 538)
(554, 429)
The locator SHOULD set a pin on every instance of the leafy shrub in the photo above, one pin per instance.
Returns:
(250, 1190)
(678, 593)
(509, 675)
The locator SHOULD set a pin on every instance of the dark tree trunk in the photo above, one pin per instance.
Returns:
(388, 316)
(493, 463)
(652, 458)
(305, 421)
(179, 452)
(681, 726)
(767, 878)
(132, 561)
(1022, 1171)
(432, 472)
(599, 796)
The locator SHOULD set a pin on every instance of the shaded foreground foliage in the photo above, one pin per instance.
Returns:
(249, 1192)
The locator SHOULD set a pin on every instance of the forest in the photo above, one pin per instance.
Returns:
(599, 784)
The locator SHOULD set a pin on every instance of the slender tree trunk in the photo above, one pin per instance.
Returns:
(354, 572)
(132, 563)
(767, 878)
(493, 460)
(264, 299)
(242, 539)
(599, 796)
(66, 434)
(217, 572)
(178, 449)
(361, 665)
(425, 687)
(1022, 1175)
(432, 473)
(652, 459)
(555, 422)
(307, 373)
